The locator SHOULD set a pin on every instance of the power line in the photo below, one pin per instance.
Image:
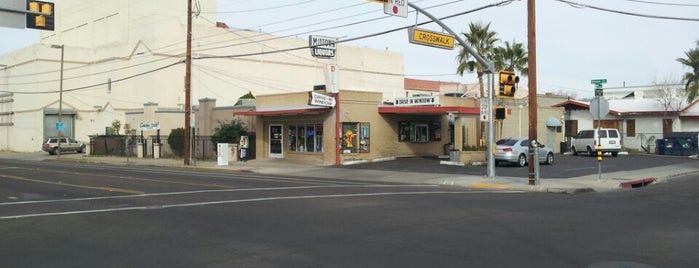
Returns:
(664, 4)
(574, 4)
(102, 84)
(260, 9)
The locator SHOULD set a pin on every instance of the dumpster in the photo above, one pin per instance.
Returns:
(660, 146)
(682, 143)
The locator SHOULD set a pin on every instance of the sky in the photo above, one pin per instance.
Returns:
(574, 43)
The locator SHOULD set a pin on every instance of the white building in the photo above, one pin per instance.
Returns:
(120, 55)
(642, 114)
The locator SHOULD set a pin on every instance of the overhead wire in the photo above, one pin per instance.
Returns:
(579, 5)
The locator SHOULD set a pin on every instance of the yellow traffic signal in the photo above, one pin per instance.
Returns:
(507, 81)
(43, 21)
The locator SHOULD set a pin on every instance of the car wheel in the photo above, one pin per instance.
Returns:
(522, 160)
(81, 150)
(589, 151)
(614, 154)
(549, 159)
(575, 152)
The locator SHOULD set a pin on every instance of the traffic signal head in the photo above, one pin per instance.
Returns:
(500, 113)
(507, 81)
(43, 21)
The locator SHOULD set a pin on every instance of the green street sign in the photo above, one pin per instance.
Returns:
(598, 81)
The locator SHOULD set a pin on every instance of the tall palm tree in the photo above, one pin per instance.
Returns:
(482, 40)
(691, 78)
(512, 57)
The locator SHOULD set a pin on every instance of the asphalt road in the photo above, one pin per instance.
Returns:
(65, 214)
(565, 166)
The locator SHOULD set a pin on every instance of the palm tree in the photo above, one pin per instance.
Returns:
(511, 57)
(691, 78)
(482, 40)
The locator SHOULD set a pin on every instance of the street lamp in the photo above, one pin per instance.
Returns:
(60, 99)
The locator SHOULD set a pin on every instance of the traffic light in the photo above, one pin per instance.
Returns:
(508, 83)
(43, 21)
(500, 113)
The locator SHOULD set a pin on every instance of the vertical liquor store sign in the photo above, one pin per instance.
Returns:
(322, 46)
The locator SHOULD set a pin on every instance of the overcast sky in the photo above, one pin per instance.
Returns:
(575, 44)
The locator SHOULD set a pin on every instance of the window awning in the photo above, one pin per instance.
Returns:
(429, 110)
(286, 110)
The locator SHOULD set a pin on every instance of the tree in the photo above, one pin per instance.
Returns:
(228, 132)
(176, 141)
(116, 126)
(482, 40)
(691, 79)
(512, 57)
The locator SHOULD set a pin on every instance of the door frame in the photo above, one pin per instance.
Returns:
(269, 147)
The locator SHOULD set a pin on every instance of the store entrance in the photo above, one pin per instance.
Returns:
(276, 141)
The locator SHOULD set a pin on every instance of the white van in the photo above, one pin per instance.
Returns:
(586, 141)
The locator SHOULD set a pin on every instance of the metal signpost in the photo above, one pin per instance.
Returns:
(599, 107)
(489, 69)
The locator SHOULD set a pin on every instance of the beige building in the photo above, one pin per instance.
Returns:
(121, 55)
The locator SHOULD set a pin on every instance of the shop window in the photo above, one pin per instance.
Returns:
(419, 131)
(355, 137)
(306, 138)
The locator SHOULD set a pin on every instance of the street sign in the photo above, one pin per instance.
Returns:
(598, 81)
(598, 91)
(396, 8)
(485, 115)
(599, 108)
(430, 38)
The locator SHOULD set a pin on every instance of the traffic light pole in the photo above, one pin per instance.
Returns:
(490, 70)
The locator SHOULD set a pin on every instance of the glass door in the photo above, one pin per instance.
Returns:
(275, 141)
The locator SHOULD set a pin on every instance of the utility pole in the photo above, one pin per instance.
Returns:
(187, 85)
(531, 46)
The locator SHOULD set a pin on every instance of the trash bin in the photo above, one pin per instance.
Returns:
(454, 155)
(681, 143)
(564, 147)
(660, 146)
(448, 147)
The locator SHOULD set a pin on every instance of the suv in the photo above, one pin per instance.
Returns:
(67, 144)
(586, 141)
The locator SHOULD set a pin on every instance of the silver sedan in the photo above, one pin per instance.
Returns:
(514, 150)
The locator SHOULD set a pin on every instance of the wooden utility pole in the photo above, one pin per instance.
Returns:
(531, 46)
(187, 85)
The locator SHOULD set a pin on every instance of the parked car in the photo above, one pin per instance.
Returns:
(514, 150)
(586, 141)
(67, 144)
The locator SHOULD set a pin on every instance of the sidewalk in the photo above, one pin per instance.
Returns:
(590, 183)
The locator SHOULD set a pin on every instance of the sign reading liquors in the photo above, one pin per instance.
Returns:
(149, 126)
(415, 101)
(322, 46)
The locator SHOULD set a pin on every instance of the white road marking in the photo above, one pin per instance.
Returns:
(211, 191)
(153, 207)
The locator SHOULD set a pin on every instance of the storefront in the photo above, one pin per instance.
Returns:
(299, 126)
